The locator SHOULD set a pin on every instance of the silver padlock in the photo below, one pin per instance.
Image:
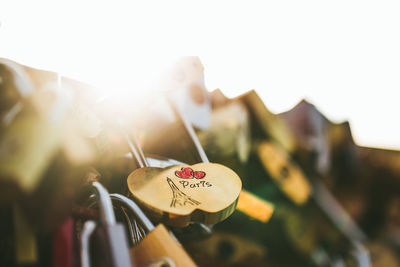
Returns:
(109, 237)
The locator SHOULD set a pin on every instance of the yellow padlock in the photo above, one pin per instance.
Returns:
(158, 247)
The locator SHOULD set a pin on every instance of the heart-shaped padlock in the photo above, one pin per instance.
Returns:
(179, 195)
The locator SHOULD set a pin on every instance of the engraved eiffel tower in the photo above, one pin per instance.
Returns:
(178, 197)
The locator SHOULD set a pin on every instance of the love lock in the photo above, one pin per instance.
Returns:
(205, 192)
(284, 172)
(158, 247)
(194, 231)
(108, 236)
(181, 194)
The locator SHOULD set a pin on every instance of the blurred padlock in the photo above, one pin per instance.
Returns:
(14, 86)
(268, 122)
(189, 91)
(86, 234)
(285, 173)
(359, 177)
(64, 244)
(228, 249)
(109, 238)
(32, 136)
(158, 247)
(273, 146)
(229, 134)
(42, 154)
(310, 131)
(26, 243)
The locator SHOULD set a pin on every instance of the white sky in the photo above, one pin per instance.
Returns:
(344, 56)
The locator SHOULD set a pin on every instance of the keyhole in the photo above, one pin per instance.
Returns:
(225, 250)
(162, 262)
(284, 172)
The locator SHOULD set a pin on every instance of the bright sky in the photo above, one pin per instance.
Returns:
(344, 56)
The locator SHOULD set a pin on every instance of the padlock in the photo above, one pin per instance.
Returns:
(180, 195)
(189, 91)
(26, 245)
(109, 238)
(285, 173)
(228, 249)
(247, 203)
(353, 173)
(86, 233)
(30, 137)
(158, 247)
(64, 245)
(229, 134)
(194, 231)
(309, 128)
(269, 123)
(289, 177)
(14, 86)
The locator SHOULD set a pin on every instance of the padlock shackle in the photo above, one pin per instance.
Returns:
(189, 130)
(136, 150)
(107, 214)
(87, 231)
(134, 208)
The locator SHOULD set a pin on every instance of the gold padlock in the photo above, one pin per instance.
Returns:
(158, 247)
(182, 194)
(31, 136)
(270, 124)
(285, 173)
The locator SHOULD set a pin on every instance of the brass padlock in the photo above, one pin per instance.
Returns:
(31, 130)
(253, 206)
(285, 173)
(158, 247)
(269, 123)
(181, 194)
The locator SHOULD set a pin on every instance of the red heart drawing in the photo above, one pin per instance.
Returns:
(185, 173)
(199, 174)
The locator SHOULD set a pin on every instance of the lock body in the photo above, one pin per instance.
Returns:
(159, 244)
(110, 246)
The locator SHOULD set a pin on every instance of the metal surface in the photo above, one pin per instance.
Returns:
(106, 209)
(129, 204)
(191, 132)
(87, 231)
(343, 222)
(136, 151)
(136, 232)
